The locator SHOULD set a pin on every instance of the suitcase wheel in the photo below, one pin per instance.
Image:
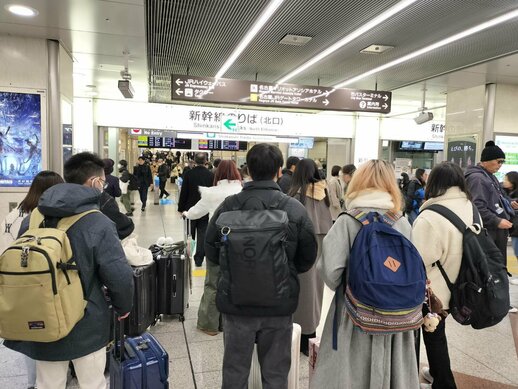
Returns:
(182, 318)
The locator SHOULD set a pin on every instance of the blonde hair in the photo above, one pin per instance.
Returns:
(375, 175)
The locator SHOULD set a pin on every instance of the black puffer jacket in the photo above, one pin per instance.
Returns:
(101, 261)
(301, 247)
(109, 207)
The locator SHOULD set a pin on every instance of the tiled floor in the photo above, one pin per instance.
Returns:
(481, 359)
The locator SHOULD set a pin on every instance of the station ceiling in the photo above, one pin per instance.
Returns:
(197, 37)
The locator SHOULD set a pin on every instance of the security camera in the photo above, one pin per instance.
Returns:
(126, 89)
(423, 117)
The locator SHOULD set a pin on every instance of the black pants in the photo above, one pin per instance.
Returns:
(438, 357)
(500, 238)
(198, 229)
(142, 190)
(273, 337)
(163, 192)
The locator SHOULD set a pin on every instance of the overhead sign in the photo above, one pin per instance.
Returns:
(146, 132)
(224, 90)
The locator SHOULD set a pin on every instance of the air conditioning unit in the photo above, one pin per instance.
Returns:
(424, 117)
(126, 89)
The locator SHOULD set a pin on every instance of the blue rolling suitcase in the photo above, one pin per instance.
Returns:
(141, 364)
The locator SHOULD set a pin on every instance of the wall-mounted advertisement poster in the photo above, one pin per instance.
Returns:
(20, 138)
(509, 145)
(462, 150)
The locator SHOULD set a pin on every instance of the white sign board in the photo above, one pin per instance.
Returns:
(407, 129)
(184, 118)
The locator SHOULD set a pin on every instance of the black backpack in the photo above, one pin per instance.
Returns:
(253, 251)
(480, 295)
(133, 182)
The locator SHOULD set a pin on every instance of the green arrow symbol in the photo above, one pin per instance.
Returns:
(229, 124)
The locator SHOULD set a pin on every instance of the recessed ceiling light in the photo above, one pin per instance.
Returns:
(21, 10)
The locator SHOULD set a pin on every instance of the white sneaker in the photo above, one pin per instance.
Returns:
(514, 281)
(425, 372)
(513, 310)
(425, 386)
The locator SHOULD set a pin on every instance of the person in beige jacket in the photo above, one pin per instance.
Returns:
(437, 239)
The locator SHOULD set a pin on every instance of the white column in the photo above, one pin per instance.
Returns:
(366, 139)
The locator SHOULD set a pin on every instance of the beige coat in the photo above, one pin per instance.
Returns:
(335, 195)
(437, 239)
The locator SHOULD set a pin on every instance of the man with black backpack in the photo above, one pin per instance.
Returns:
(262, 239)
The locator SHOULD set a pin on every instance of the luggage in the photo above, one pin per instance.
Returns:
(173, 276)
(156, 191)
(143, 313)
(142, 362)
(254, 379)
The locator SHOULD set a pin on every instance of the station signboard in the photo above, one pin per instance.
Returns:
(224, 90)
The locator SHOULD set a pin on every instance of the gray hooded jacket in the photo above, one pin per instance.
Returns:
(101, 261)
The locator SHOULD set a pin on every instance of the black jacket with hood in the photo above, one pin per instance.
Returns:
(301, 247)
(101, 261)
(487, 195)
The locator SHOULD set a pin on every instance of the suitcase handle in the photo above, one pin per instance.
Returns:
(174, 285)
(118, 336)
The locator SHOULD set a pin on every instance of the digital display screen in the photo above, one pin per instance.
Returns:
(142, 141)
(411, 146)
(434, 146)
(223, 145)
(20, 138)
(304, 143)
(155, 141)
(177, 143)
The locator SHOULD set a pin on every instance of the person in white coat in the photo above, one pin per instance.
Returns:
(437, 239)
(227, 181)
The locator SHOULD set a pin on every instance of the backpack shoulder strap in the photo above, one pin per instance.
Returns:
(36, 219)
(67, 222)
(360, 216)
(449, 215)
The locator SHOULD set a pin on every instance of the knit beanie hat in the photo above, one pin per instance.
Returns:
(491, 152)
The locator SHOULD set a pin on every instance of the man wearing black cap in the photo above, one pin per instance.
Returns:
(488, 196)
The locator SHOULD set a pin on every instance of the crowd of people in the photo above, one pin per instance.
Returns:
(307, 219)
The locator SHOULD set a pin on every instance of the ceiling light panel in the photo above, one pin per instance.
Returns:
(295, 40)
(409, 31)
(21, 10)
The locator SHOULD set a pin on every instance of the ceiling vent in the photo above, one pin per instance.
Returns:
(376, 49)
(295, 40)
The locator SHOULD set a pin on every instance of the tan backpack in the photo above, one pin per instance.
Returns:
(41, 297)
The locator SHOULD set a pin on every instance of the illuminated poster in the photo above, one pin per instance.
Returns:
(20, 138)
(509, 145)
(462, 150)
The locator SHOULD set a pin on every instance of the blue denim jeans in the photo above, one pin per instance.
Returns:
(515, 245)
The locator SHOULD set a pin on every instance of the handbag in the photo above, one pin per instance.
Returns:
(124, 187)
(136, 255)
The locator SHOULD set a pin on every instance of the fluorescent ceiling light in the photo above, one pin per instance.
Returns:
(265, 16)
(21, 10)
(424, 50)
(353, 35)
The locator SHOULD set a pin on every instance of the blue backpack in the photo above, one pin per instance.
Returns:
(385, 277)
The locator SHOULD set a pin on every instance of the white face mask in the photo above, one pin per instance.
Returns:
(119, 166)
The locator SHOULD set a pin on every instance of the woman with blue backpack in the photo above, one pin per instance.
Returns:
(368, 340)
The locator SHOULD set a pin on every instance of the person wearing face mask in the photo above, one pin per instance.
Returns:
(100, 260)
(107, 204)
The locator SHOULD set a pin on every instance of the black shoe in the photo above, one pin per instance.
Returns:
(167, 195)
(304, 343)
(129, 213)
(143, 209)
(198, 264)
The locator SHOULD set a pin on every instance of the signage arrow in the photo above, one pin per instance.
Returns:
(179, 92)
(326, 102)
(229, 124)
(385, 97)
(385, 106)
(179, 82)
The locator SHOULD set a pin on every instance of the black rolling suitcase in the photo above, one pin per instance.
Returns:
(173, 277)
(143, 313)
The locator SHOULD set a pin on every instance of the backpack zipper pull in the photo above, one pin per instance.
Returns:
(25, 256)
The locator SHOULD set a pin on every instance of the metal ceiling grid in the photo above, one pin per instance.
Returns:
(425, 23)
(198, 34)
(327, 22)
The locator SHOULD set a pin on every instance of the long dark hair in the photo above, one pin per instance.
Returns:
(42, 181)
(443, 177)
(419, 173)
(306, 173)
(512, 177)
